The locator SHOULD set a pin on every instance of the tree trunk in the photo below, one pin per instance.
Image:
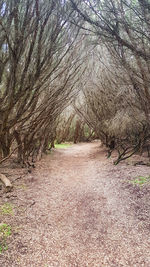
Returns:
(76, 132)
(5, 146)
(19, 143)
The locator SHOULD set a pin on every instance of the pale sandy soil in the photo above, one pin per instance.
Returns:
(78, 209)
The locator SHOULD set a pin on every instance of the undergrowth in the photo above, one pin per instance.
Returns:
(6, 209)
(5, 232)
(141, 180)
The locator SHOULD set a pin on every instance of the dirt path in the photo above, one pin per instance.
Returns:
(79, 210)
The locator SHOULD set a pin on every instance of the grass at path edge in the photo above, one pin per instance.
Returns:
(63, 145)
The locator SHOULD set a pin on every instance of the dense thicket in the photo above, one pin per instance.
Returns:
(41, 64)
(117, 97)
(50, 50)
(72, 127)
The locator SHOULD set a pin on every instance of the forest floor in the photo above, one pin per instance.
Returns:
(77, 209)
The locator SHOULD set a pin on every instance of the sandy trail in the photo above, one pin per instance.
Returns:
(78, 210)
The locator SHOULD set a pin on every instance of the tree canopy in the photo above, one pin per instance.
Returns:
(93, 55)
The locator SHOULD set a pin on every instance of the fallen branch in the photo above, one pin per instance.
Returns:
(141, 163)
(6, 182)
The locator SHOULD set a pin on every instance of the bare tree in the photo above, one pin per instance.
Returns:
(38, 54)
(118, 101)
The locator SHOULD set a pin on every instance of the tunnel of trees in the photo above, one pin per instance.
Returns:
(74, 70)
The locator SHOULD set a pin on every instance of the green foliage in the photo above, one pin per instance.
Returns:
(5, 232)
(6, 209)
(86, 130)
(63, 145)
(141, 180)
(3, 247)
